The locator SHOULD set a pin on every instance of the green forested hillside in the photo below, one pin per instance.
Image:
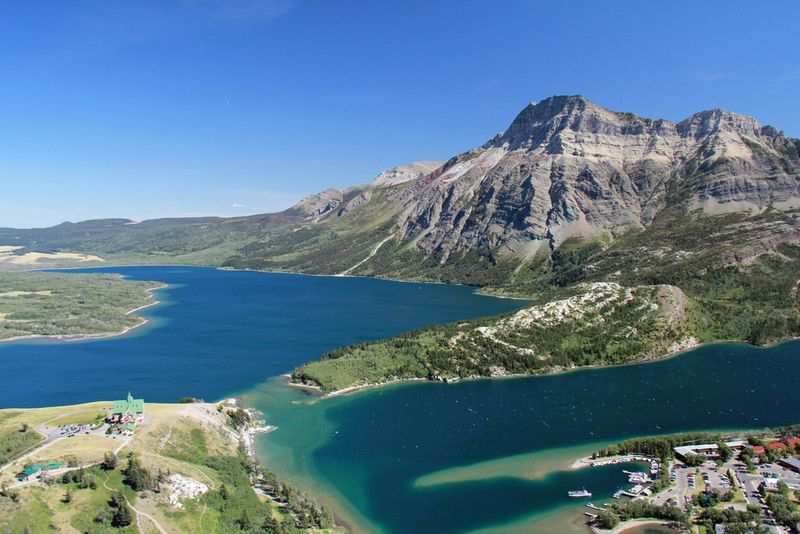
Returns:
(739, 276)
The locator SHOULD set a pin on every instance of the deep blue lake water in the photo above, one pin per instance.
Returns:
(218, 332)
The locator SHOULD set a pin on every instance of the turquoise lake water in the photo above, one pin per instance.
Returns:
(381, 441)
(221, 333)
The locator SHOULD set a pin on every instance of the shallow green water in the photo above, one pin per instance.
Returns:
(367, 451)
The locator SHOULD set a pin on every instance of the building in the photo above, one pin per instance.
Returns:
(126, 429)
(128, 410)
(790, 463)
(791, 443)
(706, 450)
(776, 446)
(34, 471)
(758, 450)
(125, 414)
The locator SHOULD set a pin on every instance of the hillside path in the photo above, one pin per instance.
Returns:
(371, 254)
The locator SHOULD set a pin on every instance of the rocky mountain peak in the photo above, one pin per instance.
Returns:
(717, 120)
(541, 123)
(404, 173)
(567, 167)
(536, 123)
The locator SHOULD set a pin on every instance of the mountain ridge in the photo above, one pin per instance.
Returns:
(565, 169)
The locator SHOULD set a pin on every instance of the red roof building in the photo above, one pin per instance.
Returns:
(776, 445)
(792, 442)
(758, 450)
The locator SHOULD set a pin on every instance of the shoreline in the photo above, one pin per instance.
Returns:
(109, 264)
(84, 337)
(248, 435)
(555, 371)
(631, 524)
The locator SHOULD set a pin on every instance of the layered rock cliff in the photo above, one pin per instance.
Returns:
(567, 167)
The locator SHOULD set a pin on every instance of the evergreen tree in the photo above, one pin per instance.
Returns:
(109, 461)
(123, 516)
(245, 521)
(136, 476)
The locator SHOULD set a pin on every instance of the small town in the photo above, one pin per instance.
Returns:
(749, 485)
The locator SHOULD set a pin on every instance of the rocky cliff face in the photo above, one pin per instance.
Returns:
(317, 204)
(404, 173)
(342, 202)
(567, 167)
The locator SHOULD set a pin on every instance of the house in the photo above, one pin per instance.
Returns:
(34, 471)
(776, 446)
(758, 450)
(126, 429)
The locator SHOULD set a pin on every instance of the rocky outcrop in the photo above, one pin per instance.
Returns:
(356, 201)
(404, 173)
(317, 204)
(342, 202)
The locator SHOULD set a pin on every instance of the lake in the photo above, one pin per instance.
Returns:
(432, 457)
(476, 456)
(216, 332)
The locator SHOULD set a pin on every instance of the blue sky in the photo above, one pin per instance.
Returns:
(144, 109)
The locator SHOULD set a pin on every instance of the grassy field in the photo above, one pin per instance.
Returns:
(18, 427)
(56, 304)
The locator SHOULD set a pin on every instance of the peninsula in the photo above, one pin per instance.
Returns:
(70, 306)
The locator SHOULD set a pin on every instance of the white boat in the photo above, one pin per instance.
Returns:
(579, 493)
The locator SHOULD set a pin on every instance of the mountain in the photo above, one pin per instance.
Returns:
(567, 180)
(318, 204)
(566, 167)
(565, 170)
(635, 238)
